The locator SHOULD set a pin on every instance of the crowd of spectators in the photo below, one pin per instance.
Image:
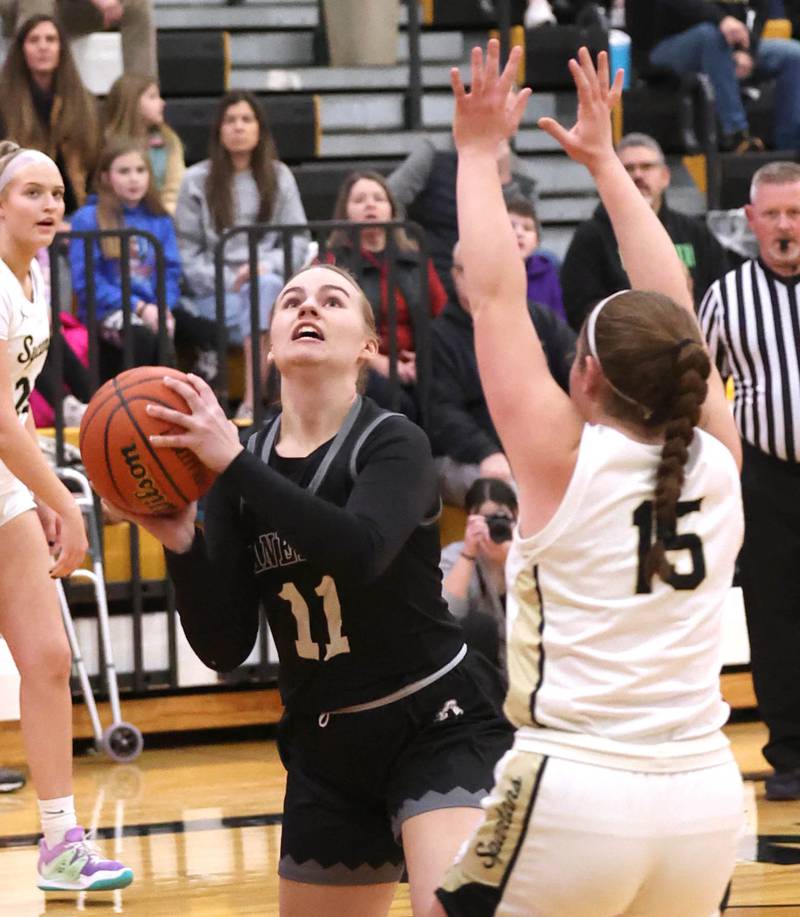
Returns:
(124, 167)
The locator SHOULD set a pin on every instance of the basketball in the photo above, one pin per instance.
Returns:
(120, 461)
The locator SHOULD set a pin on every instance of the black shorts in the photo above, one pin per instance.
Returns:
(353, 782)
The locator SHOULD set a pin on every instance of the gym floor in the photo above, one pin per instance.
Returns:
(200, 826)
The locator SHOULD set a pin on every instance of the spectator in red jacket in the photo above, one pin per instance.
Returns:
(419, 296)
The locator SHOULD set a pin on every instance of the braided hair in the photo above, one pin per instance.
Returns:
(656, 365)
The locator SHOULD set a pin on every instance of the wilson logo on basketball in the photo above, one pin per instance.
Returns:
(194, 466)
(146, 489)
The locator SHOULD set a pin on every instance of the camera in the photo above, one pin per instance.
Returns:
(500, 527)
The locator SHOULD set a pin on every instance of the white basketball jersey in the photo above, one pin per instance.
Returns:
(594, 649)
(25, 326)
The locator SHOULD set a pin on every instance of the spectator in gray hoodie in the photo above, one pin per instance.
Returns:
(241, 183)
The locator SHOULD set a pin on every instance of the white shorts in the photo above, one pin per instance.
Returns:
(568, 839)
(14, 502)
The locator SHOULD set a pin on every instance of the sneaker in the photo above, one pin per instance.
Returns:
(784, 785)
(76, 865)
(206, 365)
(10, 780)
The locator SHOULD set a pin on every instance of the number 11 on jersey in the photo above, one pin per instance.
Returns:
(306, 647)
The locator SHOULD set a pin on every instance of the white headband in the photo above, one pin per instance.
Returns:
(18, 161)
(591, 322)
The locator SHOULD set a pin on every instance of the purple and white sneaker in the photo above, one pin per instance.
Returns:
(75, 865)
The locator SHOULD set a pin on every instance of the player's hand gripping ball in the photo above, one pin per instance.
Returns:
(123, 466)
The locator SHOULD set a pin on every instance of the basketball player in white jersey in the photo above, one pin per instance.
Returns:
(620, 795)
(41, 528)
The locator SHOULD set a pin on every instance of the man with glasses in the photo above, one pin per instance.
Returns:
(592, 267)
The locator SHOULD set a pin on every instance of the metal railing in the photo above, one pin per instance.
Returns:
(135, 597)
(88, 238)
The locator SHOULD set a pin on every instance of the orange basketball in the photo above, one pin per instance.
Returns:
(121, 463)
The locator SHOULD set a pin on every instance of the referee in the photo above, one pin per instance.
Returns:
(751, 319)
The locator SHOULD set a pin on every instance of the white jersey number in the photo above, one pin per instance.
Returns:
(643, 520)
(306, 647)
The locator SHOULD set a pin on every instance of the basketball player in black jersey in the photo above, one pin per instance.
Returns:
(329, 518)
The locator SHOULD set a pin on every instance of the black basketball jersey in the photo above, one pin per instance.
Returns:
(345, 560)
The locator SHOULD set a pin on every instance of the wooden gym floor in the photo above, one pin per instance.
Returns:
(200, 826)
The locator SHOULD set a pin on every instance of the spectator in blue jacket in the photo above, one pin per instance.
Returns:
(126, 197)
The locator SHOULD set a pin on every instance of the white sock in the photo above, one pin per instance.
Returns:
(57, 817)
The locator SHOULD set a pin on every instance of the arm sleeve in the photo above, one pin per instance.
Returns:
(710, 318)
(216, 594)
(411, 176)
(394, 490)
(582, 275)
(288, 209)
(196, 254)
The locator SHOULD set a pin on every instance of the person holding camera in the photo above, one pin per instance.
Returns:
(473, 570)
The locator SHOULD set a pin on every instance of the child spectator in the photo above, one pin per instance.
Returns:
(134, 108)
(45, 106)
(543, 284)
(241, 183)
(127, 197)
(365, 197)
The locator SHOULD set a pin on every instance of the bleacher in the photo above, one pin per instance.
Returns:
(361, 111)
(328, 121)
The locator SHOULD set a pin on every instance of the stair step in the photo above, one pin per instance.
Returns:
(401, 143)
(332, 79)
(296, 48)
(384, 110)
(200, 15)
(565, 209)
(203, 14)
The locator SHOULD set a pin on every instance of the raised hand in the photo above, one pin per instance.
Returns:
(590, 140)
(491, 111)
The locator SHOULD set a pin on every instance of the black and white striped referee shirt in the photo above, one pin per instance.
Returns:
(751, 320)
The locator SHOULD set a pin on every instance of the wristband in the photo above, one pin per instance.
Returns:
(471, 557)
